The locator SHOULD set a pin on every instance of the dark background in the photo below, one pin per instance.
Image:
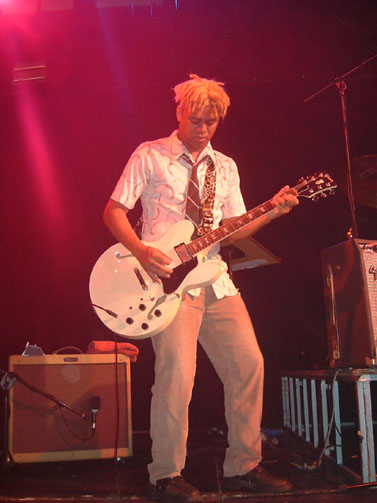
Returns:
(107, 87)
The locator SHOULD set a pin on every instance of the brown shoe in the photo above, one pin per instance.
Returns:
(258, 480)
(175, 489)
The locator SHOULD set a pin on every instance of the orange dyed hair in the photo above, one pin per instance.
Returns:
(198, 93)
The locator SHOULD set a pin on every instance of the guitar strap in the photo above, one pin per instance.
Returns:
(139, 227)
(208, 197)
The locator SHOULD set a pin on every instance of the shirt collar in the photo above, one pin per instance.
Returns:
(177, 148)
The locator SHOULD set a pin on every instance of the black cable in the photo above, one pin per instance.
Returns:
(117, 419)
(58, 351)
(330, 427)
(317, 463)
(72, 432)
(217, 467)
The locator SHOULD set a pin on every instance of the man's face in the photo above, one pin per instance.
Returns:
(197, 128)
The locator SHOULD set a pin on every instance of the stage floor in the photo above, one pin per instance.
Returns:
(127, 480)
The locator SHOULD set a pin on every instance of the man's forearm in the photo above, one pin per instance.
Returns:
(248, 230)
(154, 261)
(283, 204)
(117, 222)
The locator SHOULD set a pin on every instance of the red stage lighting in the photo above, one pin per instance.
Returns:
(30, 6)
(19, 6)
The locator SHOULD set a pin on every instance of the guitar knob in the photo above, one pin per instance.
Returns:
(144, 326)
(142, 307)
(158, 313)
(129, 321)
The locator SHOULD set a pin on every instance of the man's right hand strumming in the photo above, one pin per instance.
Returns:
(154, 262)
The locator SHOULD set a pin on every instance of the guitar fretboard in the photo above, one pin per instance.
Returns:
(310, 187)
(229, 228)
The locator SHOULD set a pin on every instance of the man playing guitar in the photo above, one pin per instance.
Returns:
(159, 173)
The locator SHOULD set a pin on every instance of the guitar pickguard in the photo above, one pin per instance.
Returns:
(179, 273)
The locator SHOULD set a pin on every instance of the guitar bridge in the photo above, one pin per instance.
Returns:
(183, 253)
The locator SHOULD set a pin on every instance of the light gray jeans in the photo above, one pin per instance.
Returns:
(224, 329)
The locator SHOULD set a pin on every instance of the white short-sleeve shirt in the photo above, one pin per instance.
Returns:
(158, 175)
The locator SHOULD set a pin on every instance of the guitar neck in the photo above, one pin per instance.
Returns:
(231, 227)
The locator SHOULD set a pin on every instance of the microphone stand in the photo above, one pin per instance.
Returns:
(7, 382)
(341, 86)
(16, 377)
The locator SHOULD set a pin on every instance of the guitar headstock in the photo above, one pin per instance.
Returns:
(315, 186)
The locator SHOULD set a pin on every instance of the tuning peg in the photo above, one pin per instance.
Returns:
(332, 192)
(323, 195)
(315, 198)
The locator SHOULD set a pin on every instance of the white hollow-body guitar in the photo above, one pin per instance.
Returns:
(130, 304)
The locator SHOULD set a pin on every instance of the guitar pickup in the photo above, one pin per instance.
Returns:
(139, 276)
(183, 253)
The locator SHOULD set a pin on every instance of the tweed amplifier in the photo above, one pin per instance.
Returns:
(69, 407)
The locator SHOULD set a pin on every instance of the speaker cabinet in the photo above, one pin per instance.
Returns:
(350, 290)
(42, 430)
